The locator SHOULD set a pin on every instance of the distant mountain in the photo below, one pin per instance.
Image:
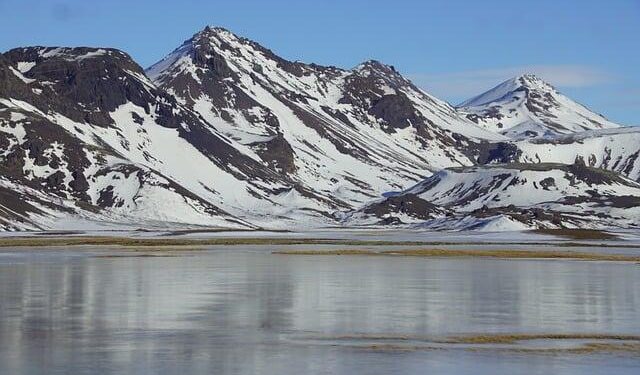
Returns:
(528, 107)
(613, 149)
(511, 196)
(616, 149)
(224, 133)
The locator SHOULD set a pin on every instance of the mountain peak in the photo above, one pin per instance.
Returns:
(376, 66)
(528, 78)
(213, 32)
(211, 28)
(212, 36)
(200, 47)
(531, 81)
(526, 106)
(508, 89)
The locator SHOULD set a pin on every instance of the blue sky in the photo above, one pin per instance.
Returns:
(590, 50)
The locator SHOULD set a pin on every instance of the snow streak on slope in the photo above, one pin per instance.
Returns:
(526, 106)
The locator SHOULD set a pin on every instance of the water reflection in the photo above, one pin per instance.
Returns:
(239, 312)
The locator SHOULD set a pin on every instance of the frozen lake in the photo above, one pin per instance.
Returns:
(243, 310)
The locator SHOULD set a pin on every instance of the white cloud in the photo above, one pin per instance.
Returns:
(457, 86)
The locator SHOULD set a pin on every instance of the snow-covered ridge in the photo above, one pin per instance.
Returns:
(506, 89)
(534, 195)
(616, 149)
(226, 133)
(528, 107)
(352, 134)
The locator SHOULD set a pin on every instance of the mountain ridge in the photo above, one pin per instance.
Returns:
(223, 132)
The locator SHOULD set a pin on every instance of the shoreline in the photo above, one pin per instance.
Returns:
(455, 253)
(57, 241)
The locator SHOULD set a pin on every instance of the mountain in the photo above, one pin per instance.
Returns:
(511, 196)
(528, 107)
(225, 133)
(350, 134)
(615, 149)
(88, 131)
(85, 133)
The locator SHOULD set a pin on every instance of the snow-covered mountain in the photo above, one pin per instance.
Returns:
(511, 196)
(528, 107)
(223, 132)
(85, 133)
(350, 134)
(615, 149)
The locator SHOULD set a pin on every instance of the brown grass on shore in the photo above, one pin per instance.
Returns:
(134, 256)
(514, 338)
(583, 344)
(604, 343)
(42, 240)
(578, 234)
(451, 253)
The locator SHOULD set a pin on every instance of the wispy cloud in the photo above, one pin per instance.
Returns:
(456, 86)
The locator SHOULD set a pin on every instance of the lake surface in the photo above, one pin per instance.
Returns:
(243, 310)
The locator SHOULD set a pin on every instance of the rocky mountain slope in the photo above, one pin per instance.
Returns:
(616, 149)
(86, 134)
(350, 134)
(224, 133)
(528, 107)
(511, 196)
